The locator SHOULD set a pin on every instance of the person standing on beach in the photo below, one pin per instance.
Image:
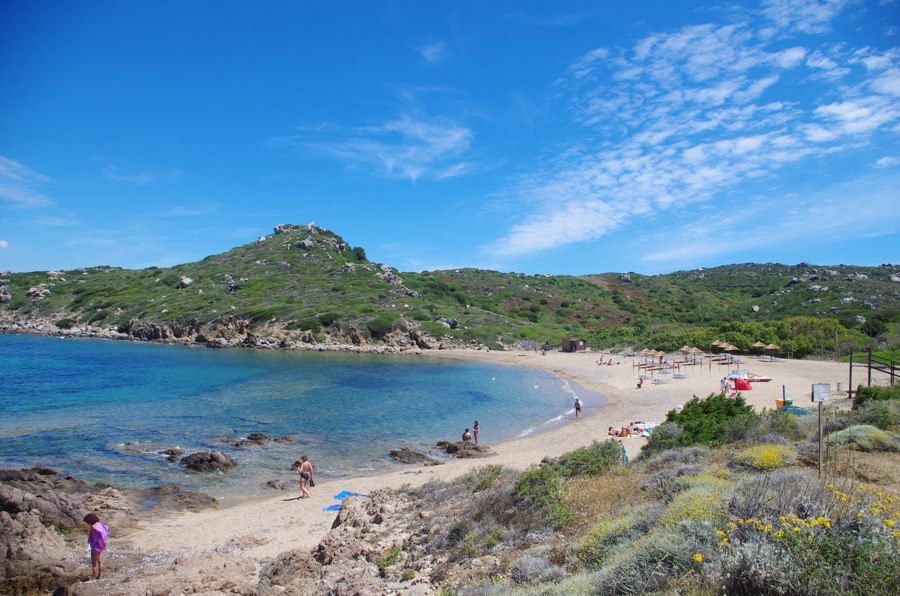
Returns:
(624, 453)
(466, 436)
(306, 475)
(577, 407)
(475, 429)
(97, 536)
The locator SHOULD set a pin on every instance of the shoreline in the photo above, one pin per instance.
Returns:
(264, 527)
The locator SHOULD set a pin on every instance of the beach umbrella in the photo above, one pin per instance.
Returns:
(685, 348)
(730, 348)
(772, 347)
(758, 344)
(742, 384)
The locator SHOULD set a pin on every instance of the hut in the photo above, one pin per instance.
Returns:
(573, 345)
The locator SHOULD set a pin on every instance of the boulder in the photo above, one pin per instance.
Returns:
(211, 461)
(405, 455)
(464, 450)
(184, 282)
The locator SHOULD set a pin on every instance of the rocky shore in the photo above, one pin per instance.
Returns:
(234, 332)
(41, 527)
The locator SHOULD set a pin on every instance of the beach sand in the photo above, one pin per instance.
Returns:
(246, 533)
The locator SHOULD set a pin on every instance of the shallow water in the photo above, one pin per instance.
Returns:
(103, 410)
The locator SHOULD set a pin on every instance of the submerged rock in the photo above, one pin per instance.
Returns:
(405, 455)
(212, 461)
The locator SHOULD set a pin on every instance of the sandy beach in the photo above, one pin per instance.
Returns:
(240, 536)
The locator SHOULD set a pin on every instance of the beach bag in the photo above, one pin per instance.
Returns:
(312, 482)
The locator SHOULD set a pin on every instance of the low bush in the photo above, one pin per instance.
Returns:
(594, 459)
(875, 393)
(865, 438)
(765, 458)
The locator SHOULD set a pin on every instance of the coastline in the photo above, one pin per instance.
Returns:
(258, 529)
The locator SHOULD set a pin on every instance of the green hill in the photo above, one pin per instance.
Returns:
(305, 286)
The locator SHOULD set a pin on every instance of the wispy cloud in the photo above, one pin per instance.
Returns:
(804, 16)
(19, 184)
(186, 211)
(4, 244)
(411, 147)
(125, 175)
(434, 52)
(697, 114)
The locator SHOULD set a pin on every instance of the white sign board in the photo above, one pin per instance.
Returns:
(821, 392)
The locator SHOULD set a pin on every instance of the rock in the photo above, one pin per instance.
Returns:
(283, 228)
(172, 454)
(464, 450)
(184, 282)
(212, 461)
(405, 455)
(36, 554)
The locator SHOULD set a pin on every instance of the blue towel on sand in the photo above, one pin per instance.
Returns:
(336, 507)
(346, 493)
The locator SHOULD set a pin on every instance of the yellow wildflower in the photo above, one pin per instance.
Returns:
(698, 558)
(889, 522)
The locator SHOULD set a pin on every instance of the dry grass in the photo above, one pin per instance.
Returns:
(593, 497)
(882, 469)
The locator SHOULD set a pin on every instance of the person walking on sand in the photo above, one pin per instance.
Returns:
(97, 536)
(306, 475)
(577, 407)
(475, 429)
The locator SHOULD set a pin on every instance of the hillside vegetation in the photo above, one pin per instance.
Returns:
(304, 285)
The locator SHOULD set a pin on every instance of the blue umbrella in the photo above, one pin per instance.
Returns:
(795, 410)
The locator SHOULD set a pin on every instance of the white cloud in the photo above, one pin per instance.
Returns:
(804, 16)
(887, 162)
(410, 147)
(19, 184)
(434, 52)
(4, 244)
(694, 116)
(117, 173)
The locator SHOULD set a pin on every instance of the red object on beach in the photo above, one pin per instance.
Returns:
(742, 385)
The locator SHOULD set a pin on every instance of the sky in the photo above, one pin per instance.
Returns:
(515, 135)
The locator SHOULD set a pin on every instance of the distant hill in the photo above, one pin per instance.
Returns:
(305, 287)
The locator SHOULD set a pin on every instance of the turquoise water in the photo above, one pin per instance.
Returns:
(103, 410)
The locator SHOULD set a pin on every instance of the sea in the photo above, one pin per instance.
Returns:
(104, 410)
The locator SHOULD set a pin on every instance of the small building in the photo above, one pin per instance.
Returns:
(573, 345)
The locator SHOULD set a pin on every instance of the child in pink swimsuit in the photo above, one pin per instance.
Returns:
(97, 541)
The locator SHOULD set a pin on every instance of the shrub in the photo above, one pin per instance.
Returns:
(880, 414)
(482, 478)
(382, 325)
(874, 393)
(784, 424)
(764, 458)
(328, 319)
(591, 460)
(528, 569)
(542, 488)
(712, 421)
(864, 437)
(606, 536)
(65, 323)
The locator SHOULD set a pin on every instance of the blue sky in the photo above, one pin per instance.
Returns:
(526, 136)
